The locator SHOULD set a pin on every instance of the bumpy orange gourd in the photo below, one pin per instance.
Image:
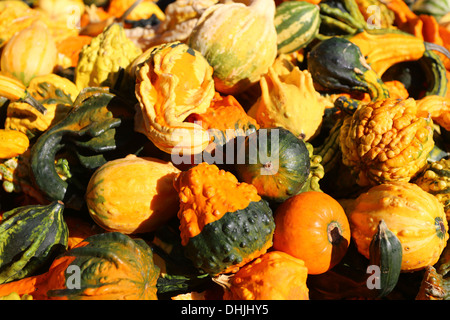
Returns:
(386, 140)
(312, 226)
(275, 275)
(29, 53)
(132, 194)
(415, 216)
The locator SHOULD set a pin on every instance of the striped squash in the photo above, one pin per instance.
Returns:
(297, 24)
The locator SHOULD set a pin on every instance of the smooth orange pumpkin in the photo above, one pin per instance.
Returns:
(312, 226)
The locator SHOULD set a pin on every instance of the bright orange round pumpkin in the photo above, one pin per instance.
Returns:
(312, 226)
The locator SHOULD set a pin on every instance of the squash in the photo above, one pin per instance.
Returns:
(240, 52)
(69, 50)
(275, 275)
(31, 237)
(12, 143)
(54, 92)
(289, 100)
(98, 127)
(132, 194)
(436, 180)
(297, 24)
(172, 83)
(434, 8)
(275, 161)
(143, 10)
(224, 224)
(415, 216)
(313, 227)
(79, 228)
(435, 107)
(29, 53)
(385, 252)
(386, 141)
(100, 63)
(106, 266)
(340, 17)
(432, 286)
(338, 64)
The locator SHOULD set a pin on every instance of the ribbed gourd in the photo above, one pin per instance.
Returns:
(30, 238)
(297, 24)
(239, 41)
(223, 223)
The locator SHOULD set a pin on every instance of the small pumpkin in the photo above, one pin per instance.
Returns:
(312, 226)
(29, 53)
(275, 275)
(415, 216)
(12, 143)
(132, 194)
(224, 224)
(242, 51)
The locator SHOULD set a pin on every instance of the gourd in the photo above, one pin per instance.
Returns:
(99, 126)
(435, 107)
(415, 216)
(289, 100)
(434, 8)
(240, 52)
(338, 64)
(436, 180)
(432, 286)
(31, 237)
(132, 194)
(110, 266)
(54, 92)
(12, 143)
(224, 223)
(275, 161)
(275, 275)
(385, 141)
(29, 53)
(297, 24)
(69, 50)
(313, 227)
(385, 251)
(173, 82)
(100, 63)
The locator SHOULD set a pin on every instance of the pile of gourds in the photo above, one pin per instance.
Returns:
(225, 150)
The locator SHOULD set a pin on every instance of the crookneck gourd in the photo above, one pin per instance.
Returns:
(132, 194)
(241, 51)
(288, 100)
(98, 127)
(415, 216)
(101, 63)
(30, 238)
(105, 266)
(386, 140)
(174, 82)
(54, 92)
(223, 223)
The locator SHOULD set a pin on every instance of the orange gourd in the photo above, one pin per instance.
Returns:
(313, 227)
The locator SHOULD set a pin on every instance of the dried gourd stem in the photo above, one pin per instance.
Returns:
(223, 280)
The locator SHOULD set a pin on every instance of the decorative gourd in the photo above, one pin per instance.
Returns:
(69, 50)
(224, 224)
(386, 140)
(174, 82)
(435, 8)
(79, 228)
(101, 61)
(437, 108)
(142, 11)
(297, 24)
(385, 251)
(341, 17)
(29, 53)
(275, 161)
(432, 286)
(275, 275)
(242, 51)
(31, 237)
(289, 100)
(54, 92)
(106, 266)
(415, 216)
(225, 119)
(338, 64)
(436, 180)
(98, 127)
(377, 17)
(133, 194)
(313, 227)
(12, 143)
